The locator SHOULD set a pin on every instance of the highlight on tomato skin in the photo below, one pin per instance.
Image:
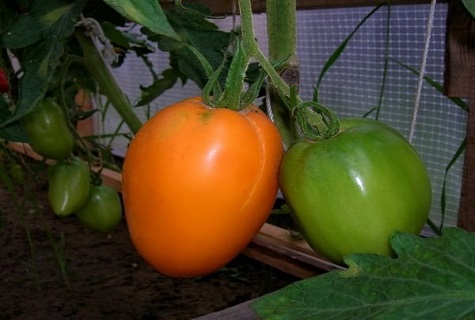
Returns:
(198, 184)
(351, 192)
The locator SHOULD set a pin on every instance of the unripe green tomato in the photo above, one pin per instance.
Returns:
(48, 131)
(103, 209)
(68, 185)
(349, 193)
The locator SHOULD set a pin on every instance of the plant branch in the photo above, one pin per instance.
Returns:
(107, 83)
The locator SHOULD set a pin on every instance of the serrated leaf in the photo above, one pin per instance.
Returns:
(432, 278)
(146, 13)
(41, 58)
(199, 33)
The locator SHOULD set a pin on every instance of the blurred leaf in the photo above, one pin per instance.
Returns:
(146, 13)
(470, 5)
(12, 132)
(55, 21)
(45, 19)
(115, 36)
(432, 278)
(150, 93)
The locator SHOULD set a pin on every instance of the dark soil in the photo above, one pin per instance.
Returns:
(107, 278)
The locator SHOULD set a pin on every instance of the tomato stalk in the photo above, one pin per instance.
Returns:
(282, 47)
(314, 117)
(107, 83)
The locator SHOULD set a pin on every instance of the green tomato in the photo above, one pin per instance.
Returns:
(349, 193)
(103, 209)
(69, 185)
(48, 131)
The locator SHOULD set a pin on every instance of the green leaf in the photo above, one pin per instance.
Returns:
(199, 35)
(432, 278)
(146, 13)
(41, 57)
(13, 132)
(44, 17)
(341, 48)
(470, 5)
(150, 93)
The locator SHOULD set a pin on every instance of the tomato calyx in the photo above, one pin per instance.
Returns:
(233, 95)
(316, 121)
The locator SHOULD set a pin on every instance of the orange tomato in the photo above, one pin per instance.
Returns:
(198, 184)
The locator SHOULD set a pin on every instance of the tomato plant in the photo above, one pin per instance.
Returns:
(198, 184)
(48, 131)
(350, 192)
(69, 185)
(102, 210)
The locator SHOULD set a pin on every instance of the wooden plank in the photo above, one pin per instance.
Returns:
(241, 311)
(460, 52)
(226, 6)
(466, 214)
(275, 246)
(460, 82)
(109, 177)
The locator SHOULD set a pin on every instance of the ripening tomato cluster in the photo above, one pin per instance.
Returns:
(69, 184)
(199, 183)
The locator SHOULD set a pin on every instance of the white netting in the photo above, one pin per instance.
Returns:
(352, 86)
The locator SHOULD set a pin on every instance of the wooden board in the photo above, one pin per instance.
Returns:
(460, 82)
(241, 311)
(226, 6)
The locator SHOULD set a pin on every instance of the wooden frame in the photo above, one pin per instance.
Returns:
(460, 82)
(226, 6)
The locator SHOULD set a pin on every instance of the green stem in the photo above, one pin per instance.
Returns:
(252, 48)
(282, 47)
(316, 121)
(282, 36)
(107, 83)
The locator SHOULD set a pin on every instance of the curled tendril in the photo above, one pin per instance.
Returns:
(316, 121)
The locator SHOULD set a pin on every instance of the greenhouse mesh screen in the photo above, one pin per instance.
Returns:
(353, 85)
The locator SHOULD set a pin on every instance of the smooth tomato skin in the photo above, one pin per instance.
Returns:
(103, 209)
(351, 192)
(198, 184)
(48, 131)
(68, 185)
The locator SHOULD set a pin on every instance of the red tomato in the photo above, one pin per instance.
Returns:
(198, 184)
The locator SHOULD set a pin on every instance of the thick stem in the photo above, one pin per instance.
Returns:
(282, 36)
(313, 117)
(107, 83)
(282, 47)
(252, 48)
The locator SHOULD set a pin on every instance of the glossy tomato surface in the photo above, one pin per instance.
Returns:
(198, 184)
(349, 193)
(102, 210)
(48, 131)
(68, 185)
